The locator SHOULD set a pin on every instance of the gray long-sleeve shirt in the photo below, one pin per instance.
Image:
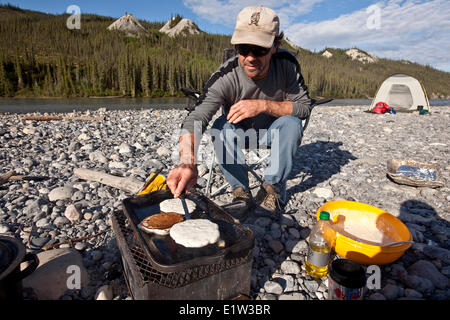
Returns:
(229, 84)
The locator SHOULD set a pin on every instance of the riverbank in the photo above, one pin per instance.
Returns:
(343, 156)
(27, 105)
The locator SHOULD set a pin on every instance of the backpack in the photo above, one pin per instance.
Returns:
(381, 108)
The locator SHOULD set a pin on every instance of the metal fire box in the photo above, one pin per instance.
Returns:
(156, 268)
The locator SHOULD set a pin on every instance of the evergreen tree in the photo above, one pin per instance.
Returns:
(18, 70)
(145, 79)
(40, 56)
(5, 85)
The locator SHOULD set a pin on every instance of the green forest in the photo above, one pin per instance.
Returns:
(41, 57)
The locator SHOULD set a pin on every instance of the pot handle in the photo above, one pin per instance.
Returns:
(34, 262)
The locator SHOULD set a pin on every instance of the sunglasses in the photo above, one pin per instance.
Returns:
(245, 49)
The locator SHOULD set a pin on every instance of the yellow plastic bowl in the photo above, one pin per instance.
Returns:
(370, 217)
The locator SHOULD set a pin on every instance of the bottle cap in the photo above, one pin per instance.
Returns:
(324, 215)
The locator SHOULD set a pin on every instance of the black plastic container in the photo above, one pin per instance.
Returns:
(346, 280)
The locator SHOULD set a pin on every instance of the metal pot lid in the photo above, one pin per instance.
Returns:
(12, 252)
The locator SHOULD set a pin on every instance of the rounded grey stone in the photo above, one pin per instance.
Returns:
(273, 287)
(290, 267)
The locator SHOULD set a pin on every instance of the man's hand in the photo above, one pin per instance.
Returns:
(250, 108)
(245, 109)
(182, 178)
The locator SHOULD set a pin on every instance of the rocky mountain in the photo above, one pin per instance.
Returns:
(129, 24)
(327, 54)
(92, 62)
(355, 54)
(178, 25)
(359, 55)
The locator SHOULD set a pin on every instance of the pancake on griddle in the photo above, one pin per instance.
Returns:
(160, 223)
(175, 205)
(195, 233)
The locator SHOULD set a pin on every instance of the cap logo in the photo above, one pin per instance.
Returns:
(255, 18)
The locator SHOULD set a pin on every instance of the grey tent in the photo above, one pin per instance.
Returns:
(402, 92)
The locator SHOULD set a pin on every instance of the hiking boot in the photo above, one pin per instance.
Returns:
(268, 200)
(241, 204)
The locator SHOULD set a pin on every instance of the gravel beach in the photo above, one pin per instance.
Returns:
(342, 157)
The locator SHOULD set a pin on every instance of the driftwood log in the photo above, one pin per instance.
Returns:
(9, 176)
(51, 118)
(5, 177)
(126, 184)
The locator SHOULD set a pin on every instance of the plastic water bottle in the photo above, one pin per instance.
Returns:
(319, 247)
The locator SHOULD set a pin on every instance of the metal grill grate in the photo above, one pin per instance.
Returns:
(173, 279)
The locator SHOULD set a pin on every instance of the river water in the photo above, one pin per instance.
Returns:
(28, 105)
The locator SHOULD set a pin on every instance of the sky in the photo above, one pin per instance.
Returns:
(414, 30)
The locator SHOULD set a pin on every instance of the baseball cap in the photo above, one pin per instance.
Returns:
(256, 25)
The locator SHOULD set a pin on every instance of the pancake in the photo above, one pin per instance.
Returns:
(160, 223)
(175, 205)
(195, 233)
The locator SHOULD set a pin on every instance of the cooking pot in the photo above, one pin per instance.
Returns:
(12, 254)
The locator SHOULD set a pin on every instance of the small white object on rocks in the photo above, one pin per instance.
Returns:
(80, 246)
(324, 193)
(44, 191)
(311, 285)
(125, 148)
(104, 293)
(163, 151)
(273, 287)
(138, 146)
(83, 137)
(290, 267)
(29, 130)
(60, 193)
(87, 216)
(72, 213)
(4, 228)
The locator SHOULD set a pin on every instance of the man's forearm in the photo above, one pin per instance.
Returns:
(278, 108)
(188, 149)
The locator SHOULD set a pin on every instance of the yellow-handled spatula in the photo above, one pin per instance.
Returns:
(154, 182)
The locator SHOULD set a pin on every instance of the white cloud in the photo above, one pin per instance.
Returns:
(415, 30)
(411, 30)
(225, 12)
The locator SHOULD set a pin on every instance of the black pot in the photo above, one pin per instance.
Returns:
(12, 254)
